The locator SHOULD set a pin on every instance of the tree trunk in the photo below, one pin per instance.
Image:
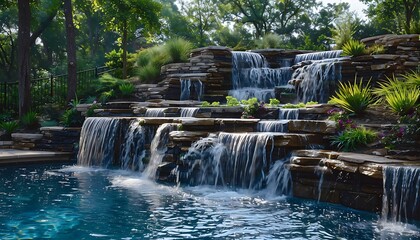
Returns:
(24, 39)
(71, 52)
(124, 47)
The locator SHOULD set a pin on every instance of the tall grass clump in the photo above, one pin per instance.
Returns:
(126, 89)
(353, 97)
(30, 120)
(270, 40)
(350, 139)
(354, 48)
(403, 99)
(178, 50)
(344, 29)
(412, 78)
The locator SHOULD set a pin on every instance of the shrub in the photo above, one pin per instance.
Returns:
(9, 127)
(149, 73)
(352, 138)
(205, 104)
(291, 105)
(311, 103)
(253, 109)
(274, 102)
(105, 96)
(108, 82)
(376, 49)
(270, 40)
(403, 99)
(412, 78)
(354, 48)
(344, 29)
(388, 86)
(30, 120)
(126, 89)
(215, 104)
(114, 61)
(353, 98)
(72, 118)
(178, 50)
(231, 101)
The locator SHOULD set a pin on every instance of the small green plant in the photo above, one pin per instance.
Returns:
(274, 102)
(126, 89)
(352, 138)
(71, 118)
(376, 49)
(354, 48)
(270, 40)
(231, 101)
(91, 110)
(413, 78)
(403, 99)
(9, 127)
(290, 105)
(353, 97)
(389, 86)
(149, 73)
(311, 103)
(253, 109)
(105, 96)
(215, 104)
(205, 104)
(30, 120)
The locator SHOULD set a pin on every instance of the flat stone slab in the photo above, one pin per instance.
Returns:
(362, 158)
(27, 136)
(312, 126)
(197, 121)
(12, 156)
(157, 120)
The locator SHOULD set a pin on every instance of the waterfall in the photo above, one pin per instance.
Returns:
(251, 76)
(189, 112)
(133, 148)
(289, 113)
(231, 159)
(318, 56)
(279, 179)
(272, 126)
(401, 196)
(97, 141)
(158, 148)
(186, 85)
(155, 112)
(317, 80)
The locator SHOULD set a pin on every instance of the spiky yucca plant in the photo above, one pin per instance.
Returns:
(412, 78)
(354, 48)
(403, 98)
(353, 97)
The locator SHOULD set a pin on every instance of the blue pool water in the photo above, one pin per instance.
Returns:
(59, 202)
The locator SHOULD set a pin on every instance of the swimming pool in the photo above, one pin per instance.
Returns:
(72, 202)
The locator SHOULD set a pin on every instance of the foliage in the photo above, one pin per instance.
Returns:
(30, 120)
(178, 50)
(253, 108)
(352, 138)
(9, 127)
(354, 48)
(353, 97)
(403, 99)
(290, 105)
(270, 40)
(115, 61)
(126, 89)
(215, 104)
(406, 132)
(71, 117)
(344, 29)
(231, 101)
(205, 104)
(91, 110)
(412, 78)
(274, 102)
(149, 73)
(375, 49)
(388, 86)
(311, 103)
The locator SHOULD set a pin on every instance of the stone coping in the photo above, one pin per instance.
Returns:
(12, 156)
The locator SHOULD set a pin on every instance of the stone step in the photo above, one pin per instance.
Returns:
(312, 126)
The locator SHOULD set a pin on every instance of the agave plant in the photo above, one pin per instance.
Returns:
(354, 48)
(403, 99)
(353, 97)
(387, 86)
(9, 127)
(126, 89)
(30, 120)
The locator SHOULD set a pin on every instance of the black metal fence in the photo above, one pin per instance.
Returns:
(48, 90)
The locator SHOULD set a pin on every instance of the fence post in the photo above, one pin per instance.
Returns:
(51, 85)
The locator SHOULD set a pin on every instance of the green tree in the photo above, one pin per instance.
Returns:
(71, 51)
(127, 17)
(396, 16)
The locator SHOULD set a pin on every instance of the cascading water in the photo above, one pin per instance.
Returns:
(158, 148)
(189, 112)
(97, 141)
(155, 112)
(186, 85)
(272, 126)
(318, 56)
(133, 149)
(317, 80)
(231, 159)
(279, 179)
(401, 196)
(289, 113)
(252, 77)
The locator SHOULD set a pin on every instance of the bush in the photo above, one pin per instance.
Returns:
(30, 120)
(270, 40)
(205, 104)
(178, 50)
(274, 102)
(291, 105)
(149, 73)
(353, 98)
(352, 138)
(354, 48)
(231, 101)
(9, 127)
(215, 104)
(376, 49)
(389, 86)
(403, 99)
(115, 61)
(126, 89)
(412, 78)
(72, 118)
